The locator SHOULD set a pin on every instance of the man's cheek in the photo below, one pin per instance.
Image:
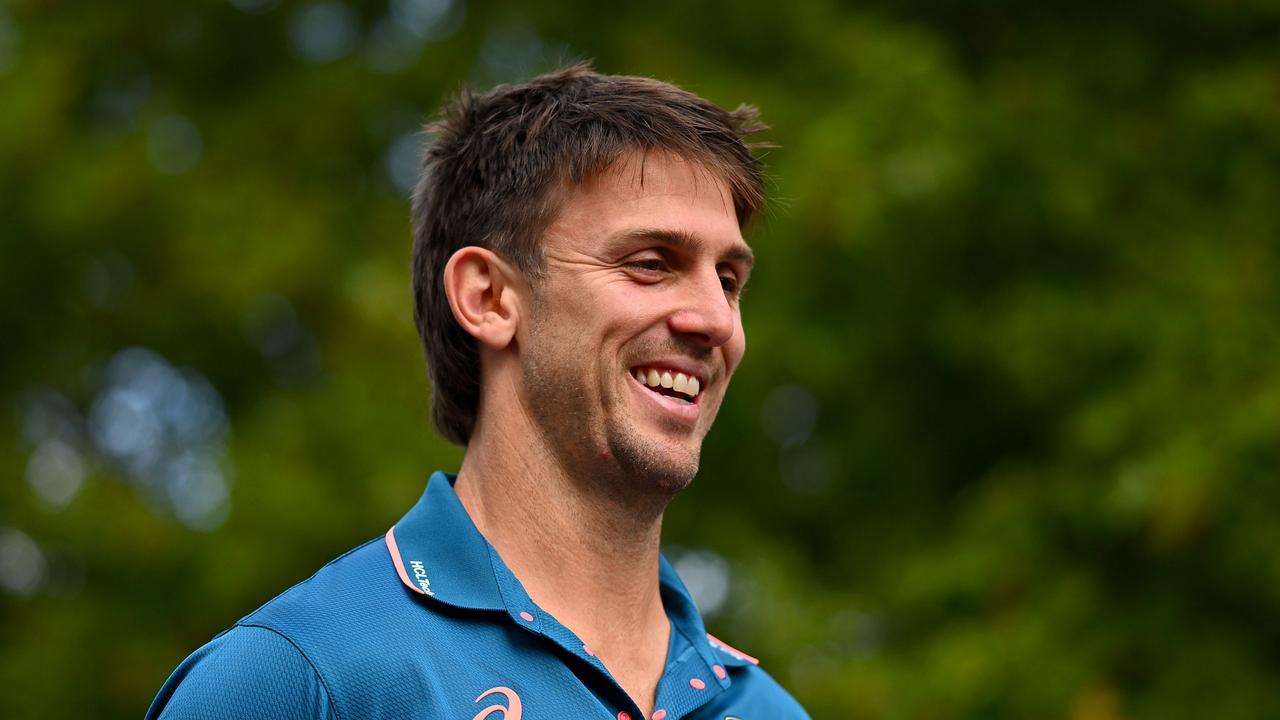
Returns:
(734, 356)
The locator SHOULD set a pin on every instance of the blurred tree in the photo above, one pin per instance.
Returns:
(1004, 446)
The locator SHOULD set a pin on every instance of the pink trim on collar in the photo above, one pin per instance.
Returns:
(395, 560)
(731, 650)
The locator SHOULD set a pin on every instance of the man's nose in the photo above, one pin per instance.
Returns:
(705, 311)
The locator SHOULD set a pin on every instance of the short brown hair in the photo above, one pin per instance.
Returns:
(492, 163)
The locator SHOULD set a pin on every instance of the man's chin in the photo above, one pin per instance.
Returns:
(665, 469)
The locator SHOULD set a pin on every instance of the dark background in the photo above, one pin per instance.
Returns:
(1005, 443)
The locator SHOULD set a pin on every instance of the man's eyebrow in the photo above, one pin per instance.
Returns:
(740, 252)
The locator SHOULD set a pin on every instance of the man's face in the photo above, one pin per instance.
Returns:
(644, 267)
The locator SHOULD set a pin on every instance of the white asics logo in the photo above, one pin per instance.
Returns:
(510, 712)
(420, 574)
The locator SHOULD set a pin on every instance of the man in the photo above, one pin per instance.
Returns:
(578, 263)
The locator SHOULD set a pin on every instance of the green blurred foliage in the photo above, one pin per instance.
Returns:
(1005, 444)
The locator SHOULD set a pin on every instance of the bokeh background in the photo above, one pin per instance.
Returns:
(1005, 444)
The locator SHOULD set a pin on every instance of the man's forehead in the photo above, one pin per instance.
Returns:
(659, 171)
(648, 193)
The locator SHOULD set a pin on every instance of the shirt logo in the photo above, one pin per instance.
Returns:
(510, 712)
(420, 574)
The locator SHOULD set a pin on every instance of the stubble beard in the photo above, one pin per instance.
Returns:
(640, 461)
(627, 468)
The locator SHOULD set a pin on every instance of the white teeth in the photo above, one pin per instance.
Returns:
(681, 383)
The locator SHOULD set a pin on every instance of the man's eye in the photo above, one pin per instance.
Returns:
(730, 284)
(647, 264)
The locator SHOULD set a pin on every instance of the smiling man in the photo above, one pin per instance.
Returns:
(578, 264)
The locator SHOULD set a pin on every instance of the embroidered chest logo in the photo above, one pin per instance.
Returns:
(420, 574)
(510, 712)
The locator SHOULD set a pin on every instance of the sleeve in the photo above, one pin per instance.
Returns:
(246, 672)
(779, 703)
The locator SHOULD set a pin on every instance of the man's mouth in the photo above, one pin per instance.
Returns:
(675, 385)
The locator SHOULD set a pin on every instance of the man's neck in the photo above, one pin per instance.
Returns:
(589, 559)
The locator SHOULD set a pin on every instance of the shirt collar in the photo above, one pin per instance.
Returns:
(438, 553)
(676, 600)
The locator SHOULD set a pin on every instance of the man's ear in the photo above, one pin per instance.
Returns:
(484, 293)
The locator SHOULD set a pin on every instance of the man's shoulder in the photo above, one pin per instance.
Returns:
(344, 589)
(353, 614)
(766, 695)
(753, 686)
(299, 650)
(244, 672)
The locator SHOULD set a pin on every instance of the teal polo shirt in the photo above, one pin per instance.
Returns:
(428, 622)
